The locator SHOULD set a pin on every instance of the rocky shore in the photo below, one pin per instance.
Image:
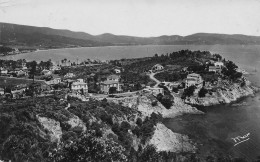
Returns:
(223, 95)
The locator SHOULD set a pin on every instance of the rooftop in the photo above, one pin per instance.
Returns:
(214, 67)
(193, 75)
(113, 77)
(79, 83)
(107, 82)
(157, 65)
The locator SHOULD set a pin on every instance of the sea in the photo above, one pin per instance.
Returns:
(228, 128)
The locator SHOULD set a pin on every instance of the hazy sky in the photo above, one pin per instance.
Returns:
(137, 17)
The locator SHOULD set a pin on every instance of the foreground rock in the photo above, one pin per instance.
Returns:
(52, 126)
(166, 140)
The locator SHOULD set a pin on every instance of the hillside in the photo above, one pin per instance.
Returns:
(28, 36)
(51, 129)
(43, 37)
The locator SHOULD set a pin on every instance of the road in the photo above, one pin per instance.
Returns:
(154, 79)
(37, 80)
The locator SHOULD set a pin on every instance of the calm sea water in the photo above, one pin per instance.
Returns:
(221, 123)
(215, 130)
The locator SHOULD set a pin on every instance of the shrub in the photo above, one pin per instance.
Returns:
(203, 92)
(139, 122)
(90, 148)
(154, 103)
(155, 118)
(243, 84)
(175, 90)
(137, 131)
(97, 127)
(149, 154)
(116, 128)
(107, 118)
(125, 126)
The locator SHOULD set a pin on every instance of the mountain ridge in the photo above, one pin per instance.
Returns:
(46, 37)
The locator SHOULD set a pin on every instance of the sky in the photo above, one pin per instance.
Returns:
(142, 18)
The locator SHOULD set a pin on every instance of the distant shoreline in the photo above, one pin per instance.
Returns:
(136, 45)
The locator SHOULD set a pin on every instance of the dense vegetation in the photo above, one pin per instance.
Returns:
(183, 58)
(23, 137)
(170, 76)
(5, 50)
(230, 71)
(111, 132)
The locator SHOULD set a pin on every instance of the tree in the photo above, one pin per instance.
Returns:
(49, 64)
(139, 122)
(159, 97)
(125, 126)
(230, 71)
(33, 67)
(203, 92)
(175, 89)
(217, 57)
(165, 100)
(189, 91)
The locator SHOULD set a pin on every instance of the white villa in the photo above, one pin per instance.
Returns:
(117, 71)
(54, 67)
(21, 73)
(54, 81)
(157, 67)
(79, 86)
(106, 85)
(3, 71)
(113, 78)
(2, 91)
(46, 72)
(219, 64)
(215, 68)
(193, 79)
(69, 75)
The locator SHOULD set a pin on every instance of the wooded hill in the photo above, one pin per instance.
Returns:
(43, 37)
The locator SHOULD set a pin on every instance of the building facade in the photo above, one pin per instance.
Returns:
(113, 78)
(106, 85)
(193, 79)
(79, 87)
(157, 67)
(219, 64)
(215, 69)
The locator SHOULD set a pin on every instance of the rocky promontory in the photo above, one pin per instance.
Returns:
(222, 95)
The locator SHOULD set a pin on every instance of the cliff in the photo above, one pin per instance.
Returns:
(163, 138)
(144, 104)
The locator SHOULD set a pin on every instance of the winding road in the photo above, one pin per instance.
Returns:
(154, 79)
